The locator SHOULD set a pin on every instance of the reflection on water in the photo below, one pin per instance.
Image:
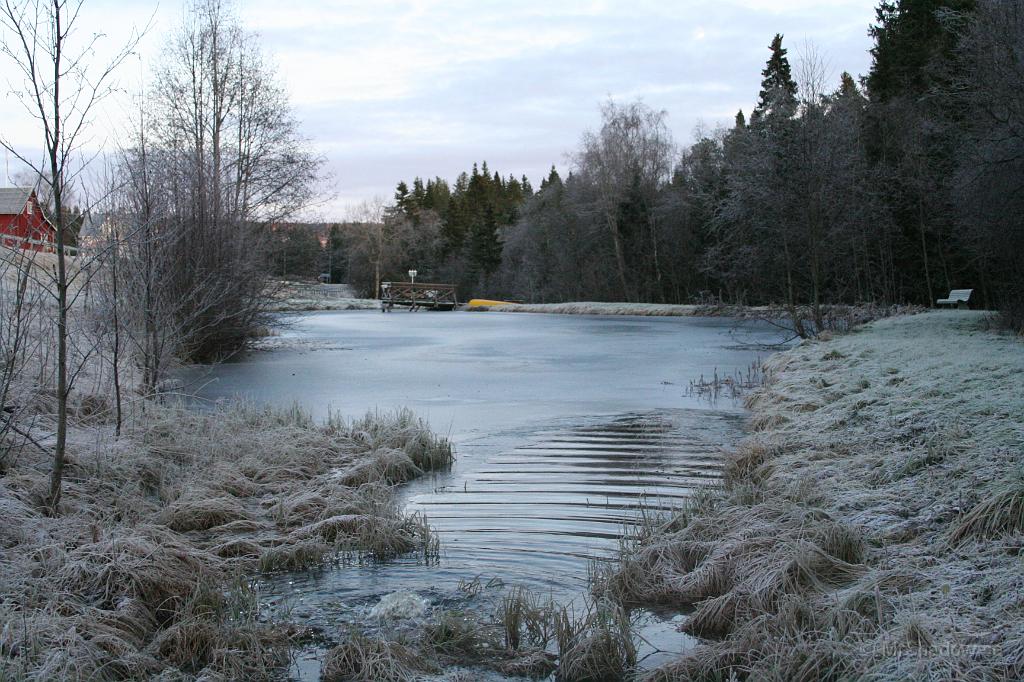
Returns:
(533, 509)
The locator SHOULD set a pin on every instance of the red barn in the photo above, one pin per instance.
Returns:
(22, 222)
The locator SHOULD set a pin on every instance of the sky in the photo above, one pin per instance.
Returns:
(387, 90)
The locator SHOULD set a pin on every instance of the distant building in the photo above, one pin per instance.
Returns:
(22, 221)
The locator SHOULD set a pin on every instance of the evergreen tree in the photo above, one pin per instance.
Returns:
(778, 89)
(741, 120)
(484, 245)
(419, 193)
(909, 39)
(633, 218)
(527, 187)
(402, 200)
(552, 179)
(337, 257)
(848, 86)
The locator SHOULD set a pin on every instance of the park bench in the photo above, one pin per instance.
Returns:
(957, 297)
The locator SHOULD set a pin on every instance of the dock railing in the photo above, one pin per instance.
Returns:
(417, 295)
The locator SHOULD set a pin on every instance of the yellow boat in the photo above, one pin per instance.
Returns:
(486, 303)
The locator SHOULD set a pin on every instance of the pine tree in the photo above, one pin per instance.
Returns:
(778, 89)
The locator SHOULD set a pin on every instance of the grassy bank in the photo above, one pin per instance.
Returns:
(294, 297)
(144, 571)
(873, 524)
(600, 308)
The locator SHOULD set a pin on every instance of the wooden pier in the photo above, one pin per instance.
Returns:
(417, 295)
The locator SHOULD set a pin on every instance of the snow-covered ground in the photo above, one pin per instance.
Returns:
(288, 305)
(873, 525)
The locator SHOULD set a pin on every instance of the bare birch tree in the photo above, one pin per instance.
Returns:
(60, 87)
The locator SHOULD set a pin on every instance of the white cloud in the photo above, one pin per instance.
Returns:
(390, 89)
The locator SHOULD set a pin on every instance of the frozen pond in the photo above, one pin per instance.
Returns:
(563, 426)
(473, 374)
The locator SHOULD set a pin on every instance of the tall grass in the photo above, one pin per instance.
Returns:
(139, 575)
(998, 515)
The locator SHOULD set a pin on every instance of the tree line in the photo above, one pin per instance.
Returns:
(892, 189)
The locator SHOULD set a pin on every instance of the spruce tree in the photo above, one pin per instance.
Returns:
(419, 193)
(778, 89)
(527, 187)
(402, 196)
(910, 40)
(484, 244)
(552, 179)
(847, 86)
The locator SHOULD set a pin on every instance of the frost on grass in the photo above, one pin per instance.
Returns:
(835, 317)
(295, 305)
(871, 527)
(601, 308)
(144, 571)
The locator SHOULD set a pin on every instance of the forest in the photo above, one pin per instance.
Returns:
(892, 188)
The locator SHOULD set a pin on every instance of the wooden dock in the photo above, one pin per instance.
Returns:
(417, 295)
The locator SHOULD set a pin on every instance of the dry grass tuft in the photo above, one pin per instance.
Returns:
(371, 659)
(198, 511)
(294, 556)
(402, 430)
(154, 568)
(1000, 514)
(457, 636)
(748, 462)
(599, 647)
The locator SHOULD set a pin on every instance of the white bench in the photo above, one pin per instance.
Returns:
(957, 297)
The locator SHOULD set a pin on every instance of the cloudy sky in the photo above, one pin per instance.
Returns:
(391, 89)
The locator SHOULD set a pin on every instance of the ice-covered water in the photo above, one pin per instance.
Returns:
(564, 426)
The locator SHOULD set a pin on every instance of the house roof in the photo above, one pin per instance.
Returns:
(13, 199)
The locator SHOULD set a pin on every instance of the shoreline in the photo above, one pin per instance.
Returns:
(147, 569)
(842, 317)
(870, 525)
(641, 309)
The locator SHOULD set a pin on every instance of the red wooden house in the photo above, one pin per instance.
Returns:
(22, 221)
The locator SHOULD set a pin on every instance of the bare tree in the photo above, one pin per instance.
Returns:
(218, 160)
(60, 88)
(374, 239)
(633, 144)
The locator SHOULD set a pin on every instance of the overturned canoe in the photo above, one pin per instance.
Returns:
(487, 303)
